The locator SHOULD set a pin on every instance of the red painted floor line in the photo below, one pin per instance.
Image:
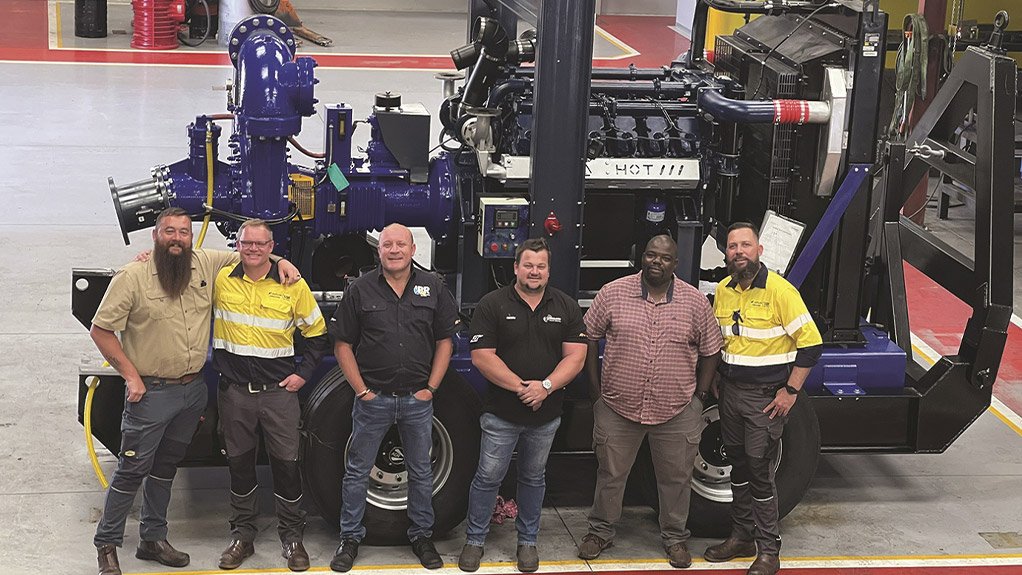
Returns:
(26, 39)
(939, 319)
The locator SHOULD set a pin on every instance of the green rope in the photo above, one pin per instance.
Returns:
(910, 73)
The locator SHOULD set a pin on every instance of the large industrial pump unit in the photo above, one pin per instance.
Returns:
(783, 121)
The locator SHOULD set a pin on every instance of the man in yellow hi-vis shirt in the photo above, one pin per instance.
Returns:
(770, 345)
(254, 320)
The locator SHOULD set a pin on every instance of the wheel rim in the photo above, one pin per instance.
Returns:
(711, 478)
(388, 479)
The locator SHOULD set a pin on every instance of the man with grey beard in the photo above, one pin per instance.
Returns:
(162, 310)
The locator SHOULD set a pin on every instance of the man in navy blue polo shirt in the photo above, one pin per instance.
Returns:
(393, 342)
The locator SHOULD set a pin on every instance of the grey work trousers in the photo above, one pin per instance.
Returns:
(276, 412)
(155, 433)
(751, 439)
(673, 445)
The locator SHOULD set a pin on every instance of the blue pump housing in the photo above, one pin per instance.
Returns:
(273, 92)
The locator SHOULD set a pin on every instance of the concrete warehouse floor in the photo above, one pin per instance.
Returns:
(67, 126)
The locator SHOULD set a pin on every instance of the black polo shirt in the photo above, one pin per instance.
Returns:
(529, 343)
(394, 338)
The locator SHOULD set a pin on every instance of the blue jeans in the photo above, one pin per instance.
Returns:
(370, 421)
(498, 442)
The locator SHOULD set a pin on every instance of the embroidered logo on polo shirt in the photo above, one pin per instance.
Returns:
(421, 291)
(509, 316)
(551, 319)
(476, 338)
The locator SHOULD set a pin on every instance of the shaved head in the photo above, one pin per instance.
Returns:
(397, 230)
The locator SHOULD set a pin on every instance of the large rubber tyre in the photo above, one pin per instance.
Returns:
(710, 507)
(327, 428)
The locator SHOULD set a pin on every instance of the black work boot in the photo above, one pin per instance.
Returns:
(345, 555)
(107, 556)
(426, 552)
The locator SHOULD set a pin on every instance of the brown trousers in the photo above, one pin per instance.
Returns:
(673, 445)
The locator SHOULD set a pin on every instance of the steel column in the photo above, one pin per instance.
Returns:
(563, 64)
(851, 238)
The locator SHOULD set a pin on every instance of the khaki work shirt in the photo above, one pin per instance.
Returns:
(163, 337)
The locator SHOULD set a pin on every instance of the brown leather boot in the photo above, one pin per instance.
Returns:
(236, 553)
(296, 555)
(731, 548)
(765, 565)
(161, 552)
(108, 564)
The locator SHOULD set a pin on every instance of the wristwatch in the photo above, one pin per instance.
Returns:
(547, 384)
(790, 389)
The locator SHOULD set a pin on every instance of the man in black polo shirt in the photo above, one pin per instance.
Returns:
(393, 342)
(528, 340)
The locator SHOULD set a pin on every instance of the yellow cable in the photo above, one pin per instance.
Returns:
(209, 184)
(93, 383)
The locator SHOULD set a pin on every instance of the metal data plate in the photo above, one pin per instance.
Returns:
(626, 173)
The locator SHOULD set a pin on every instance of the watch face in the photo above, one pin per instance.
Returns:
(547, 384)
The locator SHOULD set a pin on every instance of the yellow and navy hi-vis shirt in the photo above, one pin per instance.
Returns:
(254, 324)
(766, 329)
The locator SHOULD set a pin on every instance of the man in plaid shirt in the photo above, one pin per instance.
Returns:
(663, 346)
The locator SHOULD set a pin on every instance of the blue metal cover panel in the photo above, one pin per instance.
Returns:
(878, 368)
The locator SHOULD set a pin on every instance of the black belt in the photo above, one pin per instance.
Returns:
(399, 393)
(251, 387)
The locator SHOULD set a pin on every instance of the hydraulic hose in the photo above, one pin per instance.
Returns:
(725, 109)
(302, 149)
(209, 185)
(93, 383)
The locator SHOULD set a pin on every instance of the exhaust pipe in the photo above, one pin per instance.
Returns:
(138, 204)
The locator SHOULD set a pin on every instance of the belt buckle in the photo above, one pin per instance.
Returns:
(250, 390)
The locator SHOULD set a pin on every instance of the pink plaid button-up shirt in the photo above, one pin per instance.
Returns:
(649, 362)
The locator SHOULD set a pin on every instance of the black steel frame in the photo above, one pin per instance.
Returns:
(939, 403)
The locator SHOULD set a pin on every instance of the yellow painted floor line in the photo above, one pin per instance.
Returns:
(603, 565)
(629, 52)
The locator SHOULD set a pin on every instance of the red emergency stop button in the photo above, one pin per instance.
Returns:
(552, 224)
(494, 247)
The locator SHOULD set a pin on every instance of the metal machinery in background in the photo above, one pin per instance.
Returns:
(598, 161)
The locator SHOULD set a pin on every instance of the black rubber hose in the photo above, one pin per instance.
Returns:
(737, 111)
(507, 88)
(492, 38)
(205, 34)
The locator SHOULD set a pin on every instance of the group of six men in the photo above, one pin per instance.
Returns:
(666, 349)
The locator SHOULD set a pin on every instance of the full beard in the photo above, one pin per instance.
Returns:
(173, 271)
(743, 274)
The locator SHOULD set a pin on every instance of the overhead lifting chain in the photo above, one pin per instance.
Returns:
(957, 9)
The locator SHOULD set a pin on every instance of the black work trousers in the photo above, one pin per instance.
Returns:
(751, 439)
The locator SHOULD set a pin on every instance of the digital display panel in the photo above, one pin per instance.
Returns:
(506, 218)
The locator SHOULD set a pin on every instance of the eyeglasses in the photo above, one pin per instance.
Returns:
(651, 256)
(254, 244)
(736, 317)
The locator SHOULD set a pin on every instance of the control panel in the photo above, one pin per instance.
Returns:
(503, 225)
